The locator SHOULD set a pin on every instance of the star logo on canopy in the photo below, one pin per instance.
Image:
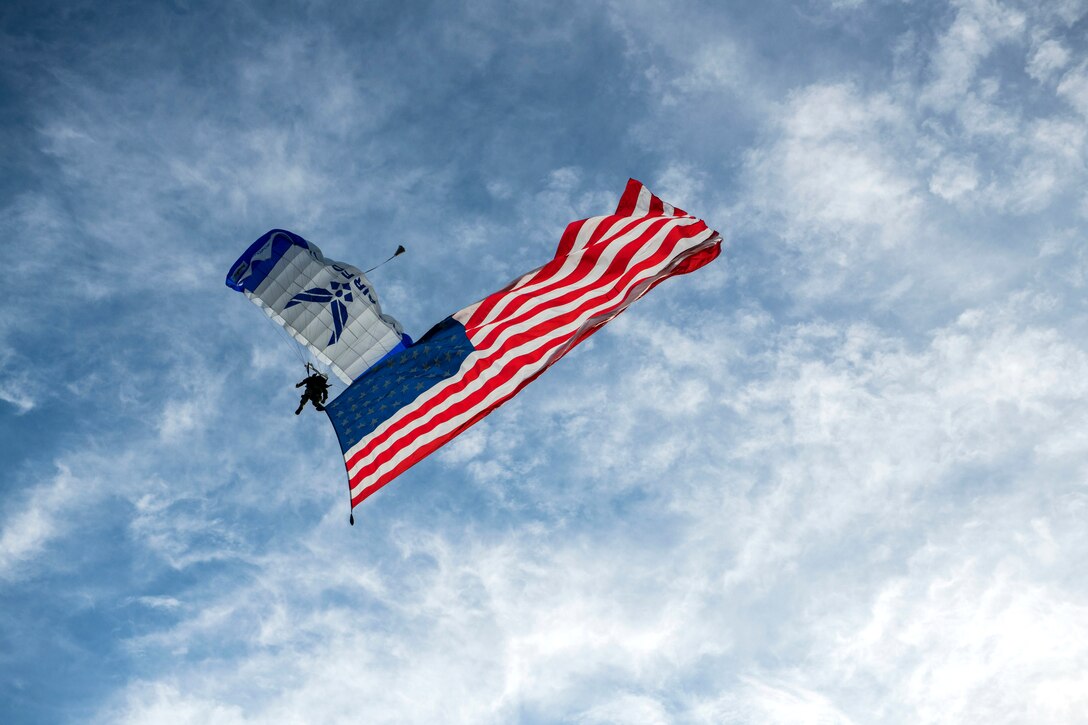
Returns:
(336, 296)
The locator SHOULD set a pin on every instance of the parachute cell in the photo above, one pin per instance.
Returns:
(328, 306)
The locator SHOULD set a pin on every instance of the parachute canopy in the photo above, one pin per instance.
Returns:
(328, 306)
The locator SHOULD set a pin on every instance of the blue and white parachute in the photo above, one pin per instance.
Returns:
(328, 306)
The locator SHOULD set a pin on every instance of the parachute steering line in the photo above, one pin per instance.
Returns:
(300, 351)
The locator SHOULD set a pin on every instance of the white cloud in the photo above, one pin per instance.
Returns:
(837, 180)
(167, 603)
(179, 417)
(1065, 12)
(715, 66)
(466, 446)
(628, 708)
(683, 181)
(954, 178)
(1048, 57)
(1074, 88)
(1046, 166)
(14, 391)
(834, 168)
(28, 527)
(979, 26)
(164, 703)
(977, 630)
(771, 702)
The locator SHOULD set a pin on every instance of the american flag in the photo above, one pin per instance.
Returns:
(408, 406)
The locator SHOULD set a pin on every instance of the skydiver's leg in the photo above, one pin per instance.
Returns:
(301, 405)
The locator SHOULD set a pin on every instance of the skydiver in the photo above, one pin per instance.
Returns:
(317, 390)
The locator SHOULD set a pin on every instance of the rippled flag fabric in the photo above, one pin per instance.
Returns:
(412, 403)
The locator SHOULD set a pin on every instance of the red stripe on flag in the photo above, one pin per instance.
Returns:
(570, 235)
(629, 199)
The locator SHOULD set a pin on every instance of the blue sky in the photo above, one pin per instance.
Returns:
(838, 476)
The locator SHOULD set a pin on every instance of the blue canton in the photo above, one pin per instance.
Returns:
(398, 380)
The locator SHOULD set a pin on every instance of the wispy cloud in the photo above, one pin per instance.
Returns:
(32, 523)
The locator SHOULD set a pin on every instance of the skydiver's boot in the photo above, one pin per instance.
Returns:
(319, 406)
(301, 405)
